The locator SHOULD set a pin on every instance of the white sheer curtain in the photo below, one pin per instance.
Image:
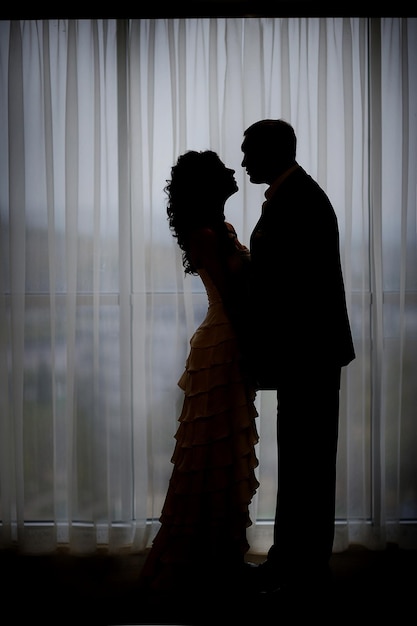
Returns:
(95, 312)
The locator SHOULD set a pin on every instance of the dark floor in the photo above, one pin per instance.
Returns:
(101, 591)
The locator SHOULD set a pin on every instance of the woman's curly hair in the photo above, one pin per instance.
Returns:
(190, 198)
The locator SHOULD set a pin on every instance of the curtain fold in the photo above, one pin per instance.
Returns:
(95, 310)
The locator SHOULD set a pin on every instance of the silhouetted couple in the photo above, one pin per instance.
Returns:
(276, 319)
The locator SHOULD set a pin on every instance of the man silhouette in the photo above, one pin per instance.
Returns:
(300, 340)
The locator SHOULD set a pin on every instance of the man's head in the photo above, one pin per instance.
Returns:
(269, 148)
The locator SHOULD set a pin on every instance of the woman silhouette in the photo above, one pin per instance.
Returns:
(206, 509)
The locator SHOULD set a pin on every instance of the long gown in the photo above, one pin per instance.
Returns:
(206, 510)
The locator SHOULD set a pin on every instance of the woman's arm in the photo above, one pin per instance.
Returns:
(206, 253)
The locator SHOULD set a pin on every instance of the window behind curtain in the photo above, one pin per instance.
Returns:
(95, 311)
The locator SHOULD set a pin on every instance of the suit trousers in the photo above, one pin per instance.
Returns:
(307, 434)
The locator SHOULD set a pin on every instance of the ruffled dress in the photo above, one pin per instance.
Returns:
(206, 510)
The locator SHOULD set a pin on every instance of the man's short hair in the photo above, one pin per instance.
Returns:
(271, 132)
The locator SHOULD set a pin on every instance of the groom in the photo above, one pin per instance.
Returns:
(301, 339)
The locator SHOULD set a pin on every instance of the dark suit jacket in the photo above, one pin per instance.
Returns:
(298, 314)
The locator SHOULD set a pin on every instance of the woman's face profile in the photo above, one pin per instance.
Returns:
(223, 180)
